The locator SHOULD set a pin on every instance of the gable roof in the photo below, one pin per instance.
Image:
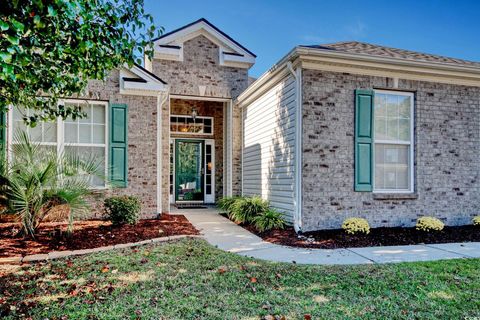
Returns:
(357, 47)
(151, 74)
(139, 81)
(203, 20)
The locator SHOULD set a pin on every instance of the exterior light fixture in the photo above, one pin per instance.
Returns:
(194, 113)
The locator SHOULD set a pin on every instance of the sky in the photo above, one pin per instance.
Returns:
(271, 28)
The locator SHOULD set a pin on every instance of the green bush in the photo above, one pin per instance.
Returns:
(245, 209)
(38, 183)
(226, 203)
(270, 219)
(123, 209)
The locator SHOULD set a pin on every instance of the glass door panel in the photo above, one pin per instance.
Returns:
(188, 170)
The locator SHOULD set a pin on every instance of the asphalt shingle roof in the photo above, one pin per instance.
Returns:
(381, 51)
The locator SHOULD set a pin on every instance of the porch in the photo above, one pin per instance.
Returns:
(198, 143)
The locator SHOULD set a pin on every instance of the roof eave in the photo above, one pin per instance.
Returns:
(301, 54)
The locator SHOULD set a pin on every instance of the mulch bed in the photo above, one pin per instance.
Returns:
(89, 234)
(331, 239)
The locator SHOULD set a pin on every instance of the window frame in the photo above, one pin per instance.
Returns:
(60, 144)
(191, 133)
(410, 144)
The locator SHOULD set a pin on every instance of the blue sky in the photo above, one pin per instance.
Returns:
(270, 28)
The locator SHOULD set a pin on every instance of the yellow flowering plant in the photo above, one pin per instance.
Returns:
(356, 225)
(476, 221)
(429, 224)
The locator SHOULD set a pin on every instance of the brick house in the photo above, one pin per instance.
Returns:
(331, 131)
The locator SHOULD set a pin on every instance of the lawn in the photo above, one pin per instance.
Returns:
(189, 279)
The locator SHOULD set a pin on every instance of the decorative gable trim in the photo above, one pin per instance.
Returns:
(232, 54)
(139, 81)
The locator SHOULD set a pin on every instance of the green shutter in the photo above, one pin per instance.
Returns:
(364, 109)
(118, 145)
(3, 133)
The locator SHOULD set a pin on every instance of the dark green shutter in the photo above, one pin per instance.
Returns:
(3, 133)
(118, 145)
(364, 109)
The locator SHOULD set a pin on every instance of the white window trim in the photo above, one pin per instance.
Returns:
(410, 143)
(192, 133)
(60, 134)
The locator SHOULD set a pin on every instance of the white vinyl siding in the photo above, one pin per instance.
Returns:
(268, 163)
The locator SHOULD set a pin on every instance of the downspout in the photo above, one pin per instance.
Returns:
(297, 75)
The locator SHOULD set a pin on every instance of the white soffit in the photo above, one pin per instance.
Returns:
(231, 53)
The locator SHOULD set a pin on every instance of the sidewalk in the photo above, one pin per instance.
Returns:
(226, 235)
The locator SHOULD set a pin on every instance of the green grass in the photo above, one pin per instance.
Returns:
(189, 279)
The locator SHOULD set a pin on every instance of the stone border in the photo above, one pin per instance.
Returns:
(65, 254)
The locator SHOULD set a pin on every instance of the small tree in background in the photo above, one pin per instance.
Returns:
(53, 47)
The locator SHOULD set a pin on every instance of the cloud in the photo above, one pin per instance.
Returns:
(357, 29)
(314, 39)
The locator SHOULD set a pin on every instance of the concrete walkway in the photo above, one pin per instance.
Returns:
(226, 235)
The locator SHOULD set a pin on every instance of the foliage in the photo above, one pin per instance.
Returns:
(123, 209)
(476, 221)
(190, 279)
(246, 208)
(270, 219)
(37, 180)
(356, 225)
(226, 203)
(53, 47)
(429, 224)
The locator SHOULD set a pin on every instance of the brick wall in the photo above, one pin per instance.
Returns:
(201, 68)
(447, 153)
(142, 145)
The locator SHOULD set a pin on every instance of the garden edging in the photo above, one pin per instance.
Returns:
(69, 253)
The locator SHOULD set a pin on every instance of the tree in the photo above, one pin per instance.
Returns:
(51, 48)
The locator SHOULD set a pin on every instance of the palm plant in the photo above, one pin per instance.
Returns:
(37, 180)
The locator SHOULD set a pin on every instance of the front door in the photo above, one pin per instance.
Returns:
(189, 160)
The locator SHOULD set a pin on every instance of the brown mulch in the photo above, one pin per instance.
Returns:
(89, 234)
(331, 239)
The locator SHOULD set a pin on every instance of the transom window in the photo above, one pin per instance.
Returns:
(85, 137)
(189, 125)
(393, 141)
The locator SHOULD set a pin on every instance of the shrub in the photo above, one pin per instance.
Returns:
(226, 203)
(356, 225)
(429, 224)
(38, 182)
(476, 221)
(123, 209)
(270, 219)
(245, 209)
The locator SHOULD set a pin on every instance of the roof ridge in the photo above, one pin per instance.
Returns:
(211, 25)
(332, 46)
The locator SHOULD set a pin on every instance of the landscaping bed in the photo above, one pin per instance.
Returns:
(88, 234)
(331, 239)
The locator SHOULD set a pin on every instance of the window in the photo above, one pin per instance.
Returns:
(86, 137)
(393, 141)
(189, 125)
